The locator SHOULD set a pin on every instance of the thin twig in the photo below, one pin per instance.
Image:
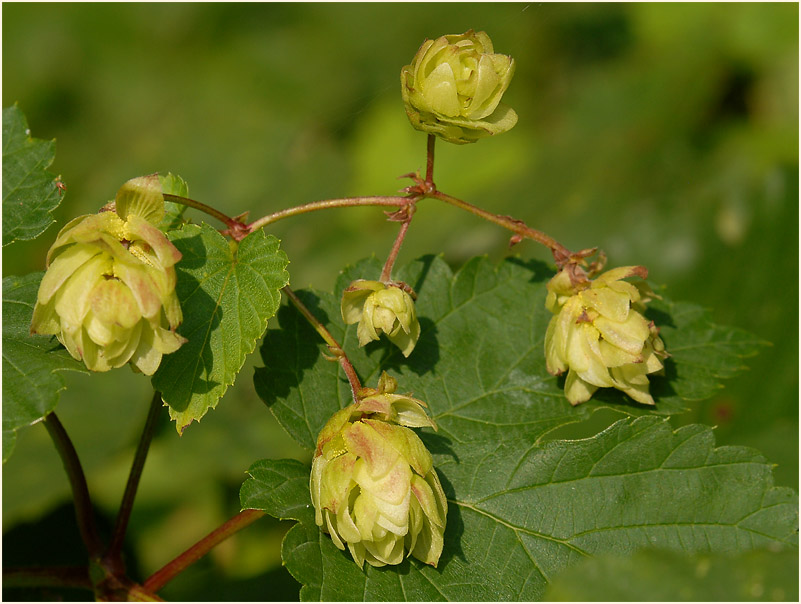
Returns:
(386, 272)
(430, 160)
(514, 225)
(138, 465)
(80, 491)
(192, 203)
(333, 345)
(347, 202)
(161, 577)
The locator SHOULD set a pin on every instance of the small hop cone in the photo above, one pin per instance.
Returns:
(373, 484)
(454, 85)
(379, 308)
(109, 291)
(600, 337)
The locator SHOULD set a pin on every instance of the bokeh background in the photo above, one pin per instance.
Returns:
(666, 134)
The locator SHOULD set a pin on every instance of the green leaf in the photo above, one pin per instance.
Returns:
(280, 487)
(520, 515)
(479, 363)
(31, 382)
(227, 294)
(30, 193)
(173, 212)
(654, 575)
(520, 510)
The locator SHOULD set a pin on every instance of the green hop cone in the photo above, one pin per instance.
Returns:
(109, 291)
(373, 484)
(454, 85)
(600, 337)
(381, 308)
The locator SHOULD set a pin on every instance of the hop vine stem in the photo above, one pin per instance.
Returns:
(333, 345)
(80, 491)
(113, 555)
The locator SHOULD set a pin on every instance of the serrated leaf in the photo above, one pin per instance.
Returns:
(655, 575)
(173, 212)
(227, 294)
(31, 364)
(280, 487)
(479, 363)
(521, 510)
(30, 193)
(520, 515)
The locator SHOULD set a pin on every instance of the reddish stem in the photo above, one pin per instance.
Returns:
(113, 555)
(80, 491)
(347, 202)
(560, 252)
(333, 345)
(386, 272)
(160, 578)
(430, 160)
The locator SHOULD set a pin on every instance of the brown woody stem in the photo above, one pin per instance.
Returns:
(164, 575)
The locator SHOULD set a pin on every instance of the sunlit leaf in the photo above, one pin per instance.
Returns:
(227, 294)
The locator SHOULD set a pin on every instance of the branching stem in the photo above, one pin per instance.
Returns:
(333, 345)
(80, 491)
(114, 552)
(164, 575)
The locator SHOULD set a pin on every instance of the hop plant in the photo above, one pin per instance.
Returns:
(600, 337)
(380, 308)
(109, 291)
(373, 485)
(454, 85)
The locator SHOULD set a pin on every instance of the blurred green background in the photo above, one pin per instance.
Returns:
(666, 134)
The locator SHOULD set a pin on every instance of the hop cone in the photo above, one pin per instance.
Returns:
(454, 85)
(600, 337)
(379, 308)
(109, 291)
(373, 485)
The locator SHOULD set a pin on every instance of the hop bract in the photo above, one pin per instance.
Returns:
(454, 85)
(599, 336)
(381, 308)
(373, 485)
(109, 291)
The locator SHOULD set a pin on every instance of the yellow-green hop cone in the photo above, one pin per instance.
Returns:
(454, 85)
(379, 308)
(109, 291)
(600, 337)
(373, 484)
